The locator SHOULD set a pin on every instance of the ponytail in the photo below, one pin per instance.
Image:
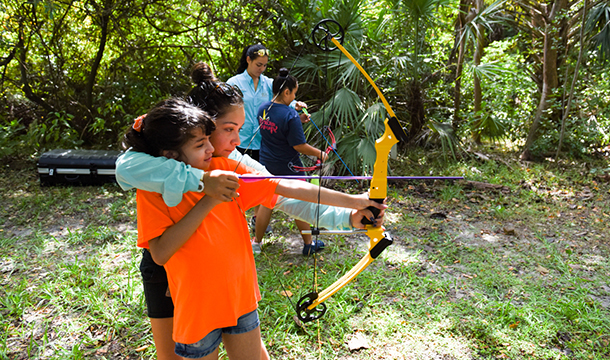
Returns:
(209, 94)
(284, 81)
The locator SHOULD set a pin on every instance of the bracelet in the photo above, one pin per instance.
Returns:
(201, 184)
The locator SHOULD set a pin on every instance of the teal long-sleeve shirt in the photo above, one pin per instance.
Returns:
(172, 178)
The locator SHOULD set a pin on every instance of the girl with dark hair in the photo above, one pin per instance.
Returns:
(283, 140)
(167, 128)
(204, 243)
(156, 174)
(257, 89)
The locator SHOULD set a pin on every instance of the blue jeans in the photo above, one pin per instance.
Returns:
(210, 342)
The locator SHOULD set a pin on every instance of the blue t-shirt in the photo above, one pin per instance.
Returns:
(281, 130)
(253, 99)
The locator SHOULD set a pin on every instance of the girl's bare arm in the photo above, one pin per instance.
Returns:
(165, 246)
(305, 191)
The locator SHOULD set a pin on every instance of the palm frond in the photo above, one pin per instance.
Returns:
(366, 148)
(491, 126)
(440, 132)
(490, 70)
(491, 15)
(373, 119)
(345, 106)
(598, 22)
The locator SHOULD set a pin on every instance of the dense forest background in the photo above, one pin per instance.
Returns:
(531, 75)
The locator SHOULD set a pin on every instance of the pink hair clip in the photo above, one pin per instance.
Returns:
(137, 125)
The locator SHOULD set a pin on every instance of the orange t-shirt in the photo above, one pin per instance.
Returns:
(212, 277)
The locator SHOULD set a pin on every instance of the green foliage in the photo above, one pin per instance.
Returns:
(509, 95)
(57, 130)
(9, 141)
(597, 24)
(442, 133)
(88, 68)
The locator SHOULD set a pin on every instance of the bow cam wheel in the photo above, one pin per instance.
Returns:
(324, 31)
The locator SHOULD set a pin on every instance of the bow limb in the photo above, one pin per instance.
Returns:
(312, 307)
(366, 75)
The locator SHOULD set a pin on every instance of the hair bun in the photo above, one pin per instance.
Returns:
(201, 73)
(283, 72)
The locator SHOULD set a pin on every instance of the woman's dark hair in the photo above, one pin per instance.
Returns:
(167, 126)
(252, 52)
(283, 82)
(209, 94)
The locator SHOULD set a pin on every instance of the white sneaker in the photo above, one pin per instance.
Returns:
(256, 247)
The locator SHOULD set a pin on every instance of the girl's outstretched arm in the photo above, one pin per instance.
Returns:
(308, 192)
(172, 178)
(309, 150)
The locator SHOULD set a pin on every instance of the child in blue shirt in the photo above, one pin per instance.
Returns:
(283, 140)
(282, 137)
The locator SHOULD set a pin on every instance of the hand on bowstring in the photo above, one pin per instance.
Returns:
(220, 184)
(301, 108)
(323, 156)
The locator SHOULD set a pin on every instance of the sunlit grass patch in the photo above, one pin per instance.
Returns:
(519, 274)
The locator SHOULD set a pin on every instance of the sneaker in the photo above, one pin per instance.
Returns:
(256, 247)
(314, 247)
(268, 230)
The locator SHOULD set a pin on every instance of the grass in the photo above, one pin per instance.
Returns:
(521, 272)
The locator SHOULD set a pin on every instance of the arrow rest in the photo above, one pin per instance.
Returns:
(323, 33)
(306, 315)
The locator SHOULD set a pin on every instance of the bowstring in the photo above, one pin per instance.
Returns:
(248, 147)
(317, 214)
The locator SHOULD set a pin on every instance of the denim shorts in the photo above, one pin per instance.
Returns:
(210, 342)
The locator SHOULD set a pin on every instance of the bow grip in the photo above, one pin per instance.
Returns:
(375, 212)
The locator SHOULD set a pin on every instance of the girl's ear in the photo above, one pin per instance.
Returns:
(286, 92)
(170, 154)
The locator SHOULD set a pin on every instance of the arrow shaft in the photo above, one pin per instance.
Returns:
(309, 177)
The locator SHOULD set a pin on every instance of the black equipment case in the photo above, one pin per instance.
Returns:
(77, 167)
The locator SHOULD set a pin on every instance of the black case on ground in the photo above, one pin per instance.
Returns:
(77, 167)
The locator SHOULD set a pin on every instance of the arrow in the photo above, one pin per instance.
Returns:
(250, 178)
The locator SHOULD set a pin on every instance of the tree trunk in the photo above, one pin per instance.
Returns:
(550, 79)
(104, 21)
(415, 105)
(478, 55)
(566, 111)
(457, 97)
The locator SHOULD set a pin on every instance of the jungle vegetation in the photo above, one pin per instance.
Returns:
(531, 75)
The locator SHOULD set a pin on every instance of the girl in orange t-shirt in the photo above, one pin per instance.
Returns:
(203, 242)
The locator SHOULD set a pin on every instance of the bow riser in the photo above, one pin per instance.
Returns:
(379, 182)
(378, 240)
